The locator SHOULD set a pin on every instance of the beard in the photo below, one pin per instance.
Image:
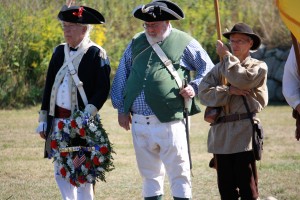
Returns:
(161, 35)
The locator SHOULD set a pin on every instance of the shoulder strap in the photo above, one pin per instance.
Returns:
(166, 61)
(73, 71)
(248, 110)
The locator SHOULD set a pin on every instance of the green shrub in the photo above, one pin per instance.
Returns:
(30, 30)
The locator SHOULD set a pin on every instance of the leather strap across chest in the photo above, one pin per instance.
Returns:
(69, 61)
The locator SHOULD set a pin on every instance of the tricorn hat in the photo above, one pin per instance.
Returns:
(245, 29)
(80, 15)
(160, 10)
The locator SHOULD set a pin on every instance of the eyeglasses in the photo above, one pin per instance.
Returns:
(238, 42)
(147, 26)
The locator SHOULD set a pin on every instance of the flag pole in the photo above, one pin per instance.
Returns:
(218, 26)
(213, 161)
(70, 2)
(218, 19)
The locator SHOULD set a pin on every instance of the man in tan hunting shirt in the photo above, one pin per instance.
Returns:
(230, 137)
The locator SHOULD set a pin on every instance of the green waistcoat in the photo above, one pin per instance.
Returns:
(148, 73)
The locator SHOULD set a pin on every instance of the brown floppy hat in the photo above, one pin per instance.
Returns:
(245, 29)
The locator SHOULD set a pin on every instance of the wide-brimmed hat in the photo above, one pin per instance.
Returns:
(245, 29)
(160, 10)
(80, 15)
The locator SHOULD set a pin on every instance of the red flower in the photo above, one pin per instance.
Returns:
(73, 124)
(81, 179)
(82, 132)
(60, 125)
(63, 172)
(64, 154)
(88, 165)
(53, 144)
(73, 182)
(103, 150)
(96, 160)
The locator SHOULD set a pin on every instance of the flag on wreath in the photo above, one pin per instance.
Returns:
(78, 160)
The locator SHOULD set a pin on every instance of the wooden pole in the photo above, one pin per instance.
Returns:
(218, 26)
(70, 2)
(213, 162)
(218, 19)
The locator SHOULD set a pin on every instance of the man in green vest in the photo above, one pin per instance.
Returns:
(151, 97)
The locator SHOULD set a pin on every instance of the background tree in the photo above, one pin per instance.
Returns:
(30, 31)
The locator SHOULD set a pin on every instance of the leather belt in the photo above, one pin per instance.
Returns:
(62, 112)
(232, 118)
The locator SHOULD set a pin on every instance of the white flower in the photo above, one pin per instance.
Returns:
(66, 121)
(93, 154)
(57, 156)
(92, 127)
(102, 140)
(70, 164)
(100, 169)
(74, 133)
(63, 144)
(89, 140)
(68, 174)
(101, 159)
(56, 135)
(66, 129)
(84, 170)
(90, 178)
(98, 133)
(79, 122)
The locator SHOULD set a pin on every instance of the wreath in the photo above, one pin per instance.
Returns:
(82, 149)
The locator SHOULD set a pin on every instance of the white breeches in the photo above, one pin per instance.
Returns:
(70, 192)
(161, 147)
(67, 190)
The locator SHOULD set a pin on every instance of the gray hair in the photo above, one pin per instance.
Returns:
(88, 30)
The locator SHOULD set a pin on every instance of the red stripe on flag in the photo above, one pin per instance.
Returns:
(79, 160)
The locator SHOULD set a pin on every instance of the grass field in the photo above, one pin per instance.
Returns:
(24, 174)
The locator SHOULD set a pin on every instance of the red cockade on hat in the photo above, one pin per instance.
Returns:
(79, 13)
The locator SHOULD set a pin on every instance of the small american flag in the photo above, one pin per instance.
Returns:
(79, 159)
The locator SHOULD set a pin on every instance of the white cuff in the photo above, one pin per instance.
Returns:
(43, 116)
(91, 109)
(41, 128)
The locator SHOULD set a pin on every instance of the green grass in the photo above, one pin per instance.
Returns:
(26, 175)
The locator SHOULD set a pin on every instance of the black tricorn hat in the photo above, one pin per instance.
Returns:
(245, 29)
(160, 10)
(80, 15)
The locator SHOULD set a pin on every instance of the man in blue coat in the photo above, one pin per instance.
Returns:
(64, 93)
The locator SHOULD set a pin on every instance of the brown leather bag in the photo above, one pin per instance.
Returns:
(211, 114)
(258, 141)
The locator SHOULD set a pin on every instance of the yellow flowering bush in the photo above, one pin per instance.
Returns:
(98, 34)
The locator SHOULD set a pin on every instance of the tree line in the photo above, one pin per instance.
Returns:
(30, 31)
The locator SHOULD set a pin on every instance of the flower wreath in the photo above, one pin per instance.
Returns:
(82, 149)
